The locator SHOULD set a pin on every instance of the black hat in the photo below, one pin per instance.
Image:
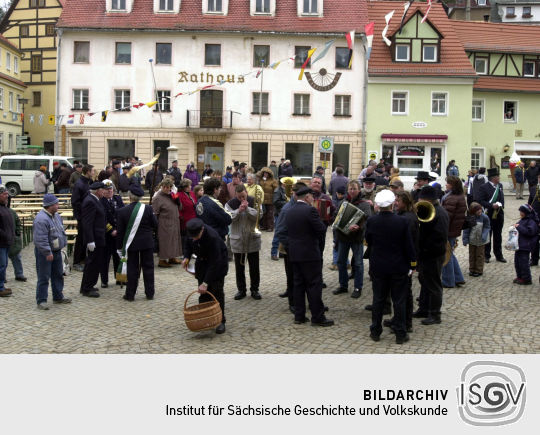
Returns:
(127, 168)
(429, 193)
(136, 190)
(194, 226)
(319, 167)
(304, 191)
(116, 162)
(423, 175)
(368, 180)
(97, 185)
(174, 161)
(341, 189)
(379, 170)
(493, 172)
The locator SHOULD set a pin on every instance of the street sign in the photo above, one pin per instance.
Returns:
(326, 144)
(22, 140)
(373, 155)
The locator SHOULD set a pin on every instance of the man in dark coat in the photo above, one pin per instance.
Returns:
(391, 260)
(94, 223)
(211, 265)
(140, 253)
(304, 227)
(531, 174)
(7, 237)
(491, 198)
(80, 190)
(151, 183)
(176, 173)
(432, 240)
(422, 179)
(124, 181)
(211, 211)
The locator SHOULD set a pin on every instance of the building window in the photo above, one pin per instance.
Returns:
(310, 7)
(478, 110)
(80, 99)
(165, 5)
(120, 148)
(212, 54)
(10, 101)
(36, 99)
(79, 150)
(301, 157)
(399, 103)
(477, 158)
(260, 103)
(481, 65)
(259, 155)
(164, 101)
(123, 52)
(301, 104)
(122, 100)
(510, 12)
(24, 30)
(15, 64)
(261, 55)
(50, 30)
(481, 2)
(342, 105)
(510, 111)
(215, 6)
(163, 53)
(439, 103)
(36, 63)
(529, 67)
(429, 53)
(18, 103)
(526, 12)
(81, 52)
(2, 98)
(8, 61)
(402, 53)
(301, 53)
(10, 141)
(37, 3)
(342, 57)
(262, 6)
(118, 5)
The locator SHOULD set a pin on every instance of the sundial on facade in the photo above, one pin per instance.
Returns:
(322, 80)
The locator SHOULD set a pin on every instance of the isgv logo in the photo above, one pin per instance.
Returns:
(491, 393)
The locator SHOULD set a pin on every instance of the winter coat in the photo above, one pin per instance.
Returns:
(212, 213)
(357, 236)
(452, 170)
(477, 235)
(433, 236)
(41, 183)
(279, 199)
(253, 189)
(456, 207)
(528, 233)
(519, 174)
(268, 185)
(187, 211)
(192, 175)
(17, 246)
(243, 239)
(151, 183)
(227, 177)
(477, 182)
(75, 175)
(531, 174)
(166, 211)
(274, 170)
(47, 229)
(176, 173)
(286, 170)
(63, 179)
(335, 183)
(223, 196)
(79, 192)
(7, 227)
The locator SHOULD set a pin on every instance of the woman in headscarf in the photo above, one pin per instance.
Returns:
(192, 174)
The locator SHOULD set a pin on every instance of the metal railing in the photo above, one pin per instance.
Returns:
(209, 119)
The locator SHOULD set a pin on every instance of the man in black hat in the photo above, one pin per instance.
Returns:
(124, 181)
(175, 172)
(139, 251)
(422, 179)
(319, 173)
(94, 223)
(491, 197)
(304, 228)
(211, 265)
(367, 193)
(432, 239)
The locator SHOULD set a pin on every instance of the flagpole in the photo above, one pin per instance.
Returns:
(155, 92)
(364, 111)
(260, 93)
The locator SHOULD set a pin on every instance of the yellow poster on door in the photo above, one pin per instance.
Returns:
(215, 157)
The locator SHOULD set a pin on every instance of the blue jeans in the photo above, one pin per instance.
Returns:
(451, 273)
(63, 190)
(3, 266)
(275, 242)
(17, 265)
(49, 270)
(358, 266)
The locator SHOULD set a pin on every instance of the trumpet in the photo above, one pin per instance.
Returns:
(425, 211)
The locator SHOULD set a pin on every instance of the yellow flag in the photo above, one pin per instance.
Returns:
(151, 104)
(51, 119)
(309, 54)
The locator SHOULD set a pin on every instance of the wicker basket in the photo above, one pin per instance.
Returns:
(202, 317)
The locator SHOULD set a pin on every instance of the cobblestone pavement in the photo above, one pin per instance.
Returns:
(488, 315)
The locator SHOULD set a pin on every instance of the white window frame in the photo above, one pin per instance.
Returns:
(206, 7)
(534, 68)
(161, 101)
(17, 103)
(339, 102)
(481, 158)
(516, 112)
(406, 112)
(8, 60)
(166, 5)
(408, 53)
(436, 53)
(446, 103)
(77, 99)
(123, 107)
(303, 105)
(317, 13)
(10, 99)
(485, 61)
(15, 64)
(253, 7)
(482, 110)
(118, 4)
(1, 98)
(255, 110)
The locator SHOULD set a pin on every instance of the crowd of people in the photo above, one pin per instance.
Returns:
(213, 218)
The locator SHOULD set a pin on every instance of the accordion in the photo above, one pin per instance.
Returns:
(323, 208)
(347, 216)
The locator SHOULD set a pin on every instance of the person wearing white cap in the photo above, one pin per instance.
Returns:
(391, 260)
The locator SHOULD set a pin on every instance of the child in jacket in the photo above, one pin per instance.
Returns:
(476, 236)
(528, 237)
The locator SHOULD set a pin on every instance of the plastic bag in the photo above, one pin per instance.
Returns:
(512, 244)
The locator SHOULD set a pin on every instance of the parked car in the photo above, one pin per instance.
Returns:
(17, 171)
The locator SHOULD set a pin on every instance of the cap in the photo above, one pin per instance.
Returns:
(433, 175)
(319, 167)
(108, 184)
(194, 226)
(341, 189)
(368, 180)
(116, 162)
(136, 190)
(526, 208)
(379, 170)
(49, 199)
(385, 198)
(429, 193)
(493, 172)
(422, 175)
(304, 191)
(229, 168)
(396, 183)
(97, 185)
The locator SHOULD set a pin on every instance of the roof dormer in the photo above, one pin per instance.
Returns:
(263, 7)
(119, 5)
(418, 42)
(167, 6)
(310, 8)
(215, 7)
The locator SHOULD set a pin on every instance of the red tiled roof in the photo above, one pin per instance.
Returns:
(507, 84)
(6, 42)
(339, 17)
(454, 61)
(497, 37)
(12, 79)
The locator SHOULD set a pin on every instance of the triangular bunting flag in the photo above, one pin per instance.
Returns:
(81, 118)
(40, 119)
(104, 115)
(323, 52)
(350, 43)
(91, 113)
(31, 119)
(70, 119)
(151, 104)
(369, 36)
(406, 7)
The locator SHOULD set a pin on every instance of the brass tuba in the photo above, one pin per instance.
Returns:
(258, 204)
(288, 184)
(425, 211)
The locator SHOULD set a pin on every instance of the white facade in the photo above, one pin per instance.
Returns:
(187, 72)
(520, 12)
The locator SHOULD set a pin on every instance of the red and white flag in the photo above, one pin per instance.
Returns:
(387, 18)
(368, 29)
(81, 118)
(427, 11)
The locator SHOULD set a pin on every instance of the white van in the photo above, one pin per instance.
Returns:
(17, 171)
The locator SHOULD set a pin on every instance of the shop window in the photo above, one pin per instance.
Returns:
(120, 148)
(301, 157)
(79, 150)
(435, 160)
(259, 155)
(410, 159)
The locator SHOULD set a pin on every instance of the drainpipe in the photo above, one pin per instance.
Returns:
(57, 126)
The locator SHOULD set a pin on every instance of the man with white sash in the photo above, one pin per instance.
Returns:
(136, 224)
